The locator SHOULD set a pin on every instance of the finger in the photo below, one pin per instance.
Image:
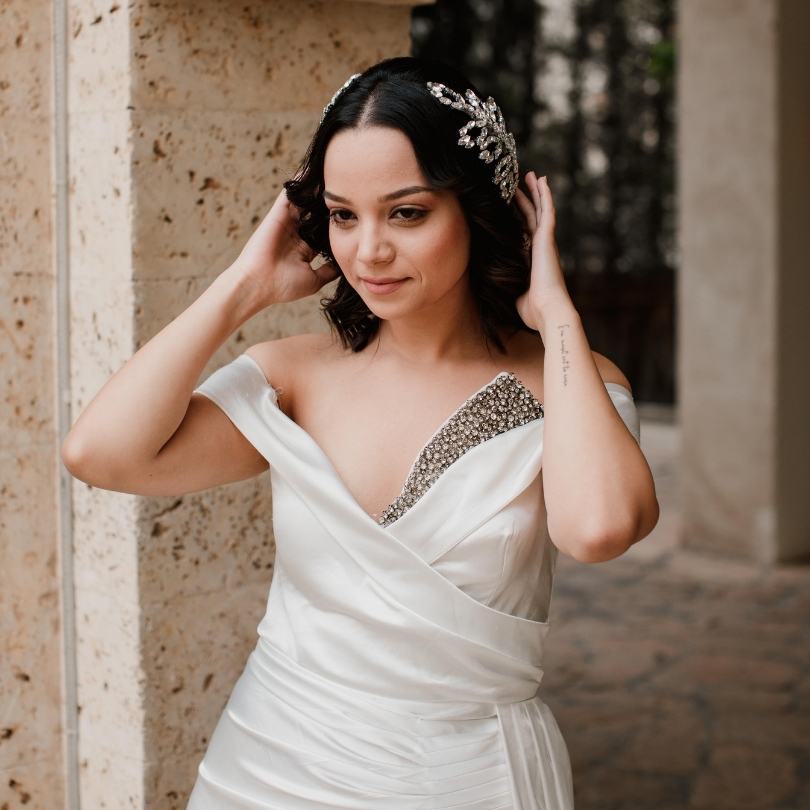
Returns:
(535, 190)
(548, 203)
(281, 202)
(293, 212)
(284, 210)
(277, 213)
(527, 209)
(325, 272)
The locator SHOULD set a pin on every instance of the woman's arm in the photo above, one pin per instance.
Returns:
(598, 487)
(137, 411)
(141, 432)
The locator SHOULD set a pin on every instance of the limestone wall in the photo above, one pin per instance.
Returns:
(31, 766)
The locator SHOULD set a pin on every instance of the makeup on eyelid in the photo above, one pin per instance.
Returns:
(414, 215)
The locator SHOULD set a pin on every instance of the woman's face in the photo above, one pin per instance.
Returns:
(385, 224)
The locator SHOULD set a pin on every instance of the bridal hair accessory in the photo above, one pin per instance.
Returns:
(487, 117)
(337, 93)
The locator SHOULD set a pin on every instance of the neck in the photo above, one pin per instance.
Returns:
(447, 330)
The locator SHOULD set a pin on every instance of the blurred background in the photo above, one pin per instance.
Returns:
(588, 89)
(140, 145)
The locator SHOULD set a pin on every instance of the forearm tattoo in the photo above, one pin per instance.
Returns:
(566, 364)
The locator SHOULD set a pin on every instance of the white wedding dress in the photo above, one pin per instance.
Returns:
(399, 660)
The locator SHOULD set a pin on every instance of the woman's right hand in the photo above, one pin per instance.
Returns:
(275, 261)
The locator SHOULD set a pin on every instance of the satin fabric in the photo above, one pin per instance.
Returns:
(397, 666)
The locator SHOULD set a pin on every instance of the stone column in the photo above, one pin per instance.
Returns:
(31, 763)
(185, 119)
(744, 287)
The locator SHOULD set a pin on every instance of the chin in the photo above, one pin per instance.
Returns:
(386, 311)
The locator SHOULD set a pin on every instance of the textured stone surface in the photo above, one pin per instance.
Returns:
(190, 671)
(192, 548)
(99, 41)
(100, 205)
(100, 333)
(31, 766)
(104, 562)
(30, 724)
(25, 188)
(26, 403)
(108, 766)
(111, 679)
(196, 203)
(268, 57)
(25, 51)
(167, 779)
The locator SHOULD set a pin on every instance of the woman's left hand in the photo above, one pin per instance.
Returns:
(547, 282)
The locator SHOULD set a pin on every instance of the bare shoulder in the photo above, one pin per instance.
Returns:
(286, 358)
(609, 371)
(291, 349)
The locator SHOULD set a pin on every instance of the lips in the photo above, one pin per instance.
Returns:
(383, 286)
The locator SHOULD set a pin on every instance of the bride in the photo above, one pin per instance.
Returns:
(420, 492)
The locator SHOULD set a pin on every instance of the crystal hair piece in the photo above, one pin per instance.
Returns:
(337, 93)
(487, 117)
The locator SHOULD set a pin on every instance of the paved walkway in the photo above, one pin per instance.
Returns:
(681, 680)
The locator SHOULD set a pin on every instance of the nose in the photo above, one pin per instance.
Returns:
(372, 246)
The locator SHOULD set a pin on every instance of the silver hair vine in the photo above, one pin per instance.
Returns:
(487, 117)
(337, 93)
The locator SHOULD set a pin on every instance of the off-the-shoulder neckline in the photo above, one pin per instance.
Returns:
(486, 385)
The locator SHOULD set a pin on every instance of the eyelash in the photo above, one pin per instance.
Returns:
(417, 214)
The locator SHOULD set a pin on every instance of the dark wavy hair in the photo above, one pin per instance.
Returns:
(393, 93)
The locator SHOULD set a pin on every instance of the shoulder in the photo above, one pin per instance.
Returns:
(609, 371)
(284, 359)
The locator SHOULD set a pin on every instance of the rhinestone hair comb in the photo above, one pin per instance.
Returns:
(337, 93)
(487, 117)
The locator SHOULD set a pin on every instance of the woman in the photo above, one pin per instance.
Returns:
(399, 659)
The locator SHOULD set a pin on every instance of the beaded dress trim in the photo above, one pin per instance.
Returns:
(501, 405)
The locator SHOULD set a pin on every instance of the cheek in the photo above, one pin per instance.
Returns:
(341, 245)
(448, 245)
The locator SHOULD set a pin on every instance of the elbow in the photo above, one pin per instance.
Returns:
(85, 465)
(601, 546)
(72, 454)
(598, 544)
(600, 549)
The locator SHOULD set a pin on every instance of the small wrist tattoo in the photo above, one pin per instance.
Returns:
(564, 352)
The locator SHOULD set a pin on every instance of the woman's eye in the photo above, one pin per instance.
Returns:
(417, 213)
(334, 215)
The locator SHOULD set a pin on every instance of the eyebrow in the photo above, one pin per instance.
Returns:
(394, 195)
